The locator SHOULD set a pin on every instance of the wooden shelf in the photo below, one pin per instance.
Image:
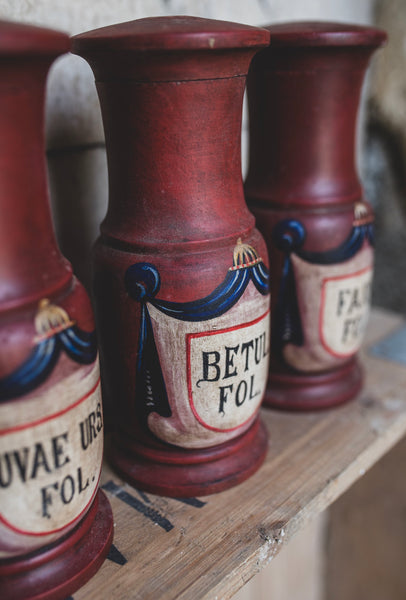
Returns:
(210, 547)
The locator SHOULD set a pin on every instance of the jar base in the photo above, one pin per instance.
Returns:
(57, 571)
(296, 392)
(176, 472)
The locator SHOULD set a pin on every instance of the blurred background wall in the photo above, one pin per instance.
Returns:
(357, 550)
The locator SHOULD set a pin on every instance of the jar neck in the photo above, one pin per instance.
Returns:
(174, 157)
(31, 265)
(303, 105)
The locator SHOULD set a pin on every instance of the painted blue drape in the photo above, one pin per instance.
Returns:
(143, 282)
(289, 236)
(79, 345)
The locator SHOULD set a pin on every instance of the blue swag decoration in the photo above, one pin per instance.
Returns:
(56, 333)
(289, 236)
(143, 282)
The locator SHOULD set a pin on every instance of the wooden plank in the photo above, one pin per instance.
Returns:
(212, 547)
(305, 557)
(367, 535)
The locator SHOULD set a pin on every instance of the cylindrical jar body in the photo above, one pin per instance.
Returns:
(187, 219)
(51, 423)
(181, 275)
(303, 188)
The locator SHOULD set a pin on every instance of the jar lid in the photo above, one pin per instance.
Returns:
(171, 33)
(17, 39)
(325, 33)
(170, 49)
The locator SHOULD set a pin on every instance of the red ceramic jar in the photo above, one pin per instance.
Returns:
(55, 526)
(181, 275)
(303, 188)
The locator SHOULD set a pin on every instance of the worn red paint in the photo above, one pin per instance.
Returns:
(303, 94)
(171, 93)
(42, 309)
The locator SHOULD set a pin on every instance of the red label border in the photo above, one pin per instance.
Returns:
(189, 337)
(322, 307)
(3, 520)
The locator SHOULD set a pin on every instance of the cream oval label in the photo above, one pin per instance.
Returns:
(51, 435)
(203, 365)
(323, 308)
(226, 370)
(345, 301)
(50, 465)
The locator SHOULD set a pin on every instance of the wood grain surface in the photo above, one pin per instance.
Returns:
(210, 547)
